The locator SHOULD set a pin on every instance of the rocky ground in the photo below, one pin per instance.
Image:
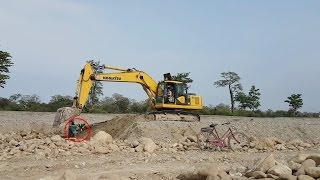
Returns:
(131, 147)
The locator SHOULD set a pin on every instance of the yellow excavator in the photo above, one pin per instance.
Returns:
(170, 99)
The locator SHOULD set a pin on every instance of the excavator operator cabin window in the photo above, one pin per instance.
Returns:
(160, 90)
(181, 89)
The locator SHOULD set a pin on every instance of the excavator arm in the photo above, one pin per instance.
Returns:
(88, 76)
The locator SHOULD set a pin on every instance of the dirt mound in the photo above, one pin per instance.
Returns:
(136, 126)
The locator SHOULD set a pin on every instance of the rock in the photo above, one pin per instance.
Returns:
(113, 147)
(56, 138)
(287, 177)
(305, 145)
(139, 148)
(64, 114)
(2, 137)
(209, 171)
(305, 177)
(299, 158)
(272, 176)
(148, 145)
(280, 147)
(48, 140)
(294, 166)
(192, 176)
(315, 157)
(223, 175)
(265, 164)
(192, 138)
(280, 169)
(256, 174)
(83, 150)
(211, 178)
(313, 172)
(15, 151)
(112, 177)
(134, 144)
(101, 149)
(13, 142)
(102, 138)
(305, 164)
(68, 175)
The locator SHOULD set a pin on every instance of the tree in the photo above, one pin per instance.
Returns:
(231, 80)
(15, 98)
(183, 77)
(4, 102)
(58, 101)
(121, 103)
(254, 98)
(5, 63)
(295, 102)
(243, 100)
(96, 90)
(251, 101)
(29, 101)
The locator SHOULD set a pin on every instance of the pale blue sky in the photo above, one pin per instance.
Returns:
(272, 44)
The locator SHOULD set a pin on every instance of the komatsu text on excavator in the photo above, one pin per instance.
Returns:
(170, 99)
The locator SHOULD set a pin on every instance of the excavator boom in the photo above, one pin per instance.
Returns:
(88, 76)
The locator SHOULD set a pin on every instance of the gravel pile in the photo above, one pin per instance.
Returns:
(301, 167)
(17, 144)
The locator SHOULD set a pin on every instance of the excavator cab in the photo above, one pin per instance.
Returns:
(174, 94)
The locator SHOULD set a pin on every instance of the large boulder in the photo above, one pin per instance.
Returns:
(279, 170)
(148, 145)
(56, 138)
(315, 157)
(294, 166)
(305, 164)
(313, 172)
(299, 158)
(102, 138)
(64, 114)
(287, 177)
(213, 173)
(209, 171)
(265, 164)
(256, 175)
(305, 177)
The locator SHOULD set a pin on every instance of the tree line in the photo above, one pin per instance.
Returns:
(241, 103)
(117, 103)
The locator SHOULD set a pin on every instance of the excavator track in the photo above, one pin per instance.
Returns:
(173, 115)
